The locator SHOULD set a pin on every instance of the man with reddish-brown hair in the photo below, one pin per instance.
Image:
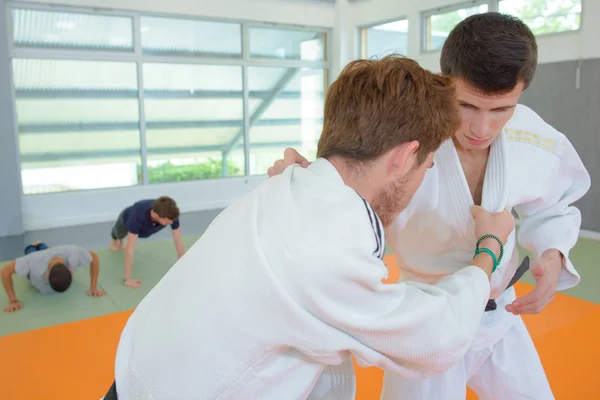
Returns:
(256, 310)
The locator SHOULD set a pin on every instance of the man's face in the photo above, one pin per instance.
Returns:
(393, 199)
(164, 221)
(159, 219)
(483, 116)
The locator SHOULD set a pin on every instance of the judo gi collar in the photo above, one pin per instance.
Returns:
(495, 185)
(323, 167)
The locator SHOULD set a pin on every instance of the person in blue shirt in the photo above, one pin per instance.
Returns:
(143, 219)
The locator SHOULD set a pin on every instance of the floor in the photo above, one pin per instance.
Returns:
(72, 335)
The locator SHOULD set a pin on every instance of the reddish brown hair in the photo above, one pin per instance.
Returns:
(166, 207)
(376, 105)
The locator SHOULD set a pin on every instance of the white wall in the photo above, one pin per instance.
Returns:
(582, 44)
(83, 207)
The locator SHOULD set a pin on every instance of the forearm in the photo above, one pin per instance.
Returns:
(8, 287)
(129, 253)
(552, 241)
(179, 248)
(94, 270)
(554, 255)
(178, 242)
(396, 326)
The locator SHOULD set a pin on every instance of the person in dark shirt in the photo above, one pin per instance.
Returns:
(143, 219)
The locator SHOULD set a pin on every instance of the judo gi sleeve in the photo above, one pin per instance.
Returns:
(412, 329)
(551, 221)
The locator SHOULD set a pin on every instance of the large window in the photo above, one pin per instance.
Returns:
(545, 16)
(119, 100)
(384, 39)
(286, 110)
(437, 26)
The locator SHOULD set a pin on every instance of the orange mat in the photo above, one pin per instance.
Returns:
(75, 361)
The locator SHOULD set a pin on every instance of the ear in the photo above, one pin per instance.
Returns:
(403, 158)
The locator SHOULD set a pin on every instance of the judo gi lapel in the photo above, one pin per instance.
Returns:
(495, 184)
(456, 189)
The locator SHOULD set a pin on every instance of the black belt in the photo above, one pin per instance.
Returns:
(491, 304)
(112, 393)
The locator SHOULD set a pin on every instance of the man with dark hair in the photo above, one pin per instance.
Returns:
(272, 308)
(50, 270)
(143, 219)
(502, 156)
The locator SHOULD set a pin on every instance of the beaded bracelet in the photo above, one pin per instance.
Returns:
(496, 238)
(488, 251)
(491, 253)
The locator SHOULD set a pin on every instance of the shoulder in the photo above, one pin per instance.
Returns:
(29, 262)
(317, 200)
(526, 128)
(73, 249)
(143, 204)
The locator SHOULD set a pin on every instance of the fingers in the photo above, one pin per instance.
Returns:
(531, 308)
(291, 156)
(133, 283)
(279, 166)
(476, 211)
(532, 303)
(13, 308)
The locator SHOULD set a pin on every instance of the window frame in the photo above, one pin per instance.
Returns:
(362, 31)
(427, 14)
(140, 59)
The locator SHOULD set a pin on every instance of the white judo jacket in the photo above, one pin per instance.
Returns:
(284, 284)
(533, 169)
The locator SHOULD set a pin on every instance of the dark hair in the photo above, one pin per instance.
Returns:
(60, 277)
(166, 207)
(492, 52)
(375, 105)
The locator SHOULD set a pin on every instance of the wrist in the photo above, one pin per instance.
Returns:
(553, 255)
(484, 262)
(491, 244)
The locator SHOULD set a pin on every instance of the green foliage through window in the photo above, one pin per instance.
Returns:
(168, 172)
(545, 16)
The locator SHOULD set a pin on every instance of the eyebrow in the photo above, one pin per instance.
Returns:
(501, 108)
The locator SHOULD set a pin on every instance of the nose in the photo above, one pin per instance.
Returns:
(480, 125)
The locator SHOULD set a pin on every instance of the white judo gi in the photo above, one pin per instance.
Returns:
(533, 168)
(285, 283)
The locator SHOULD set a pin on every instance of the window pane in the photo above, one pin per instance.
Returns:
(166, 36)
(77, 120)
(390, 38)
(440, 25)
(286, 109)
(194, 120)
(33, 28)
(287, 44)
(543, 16)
